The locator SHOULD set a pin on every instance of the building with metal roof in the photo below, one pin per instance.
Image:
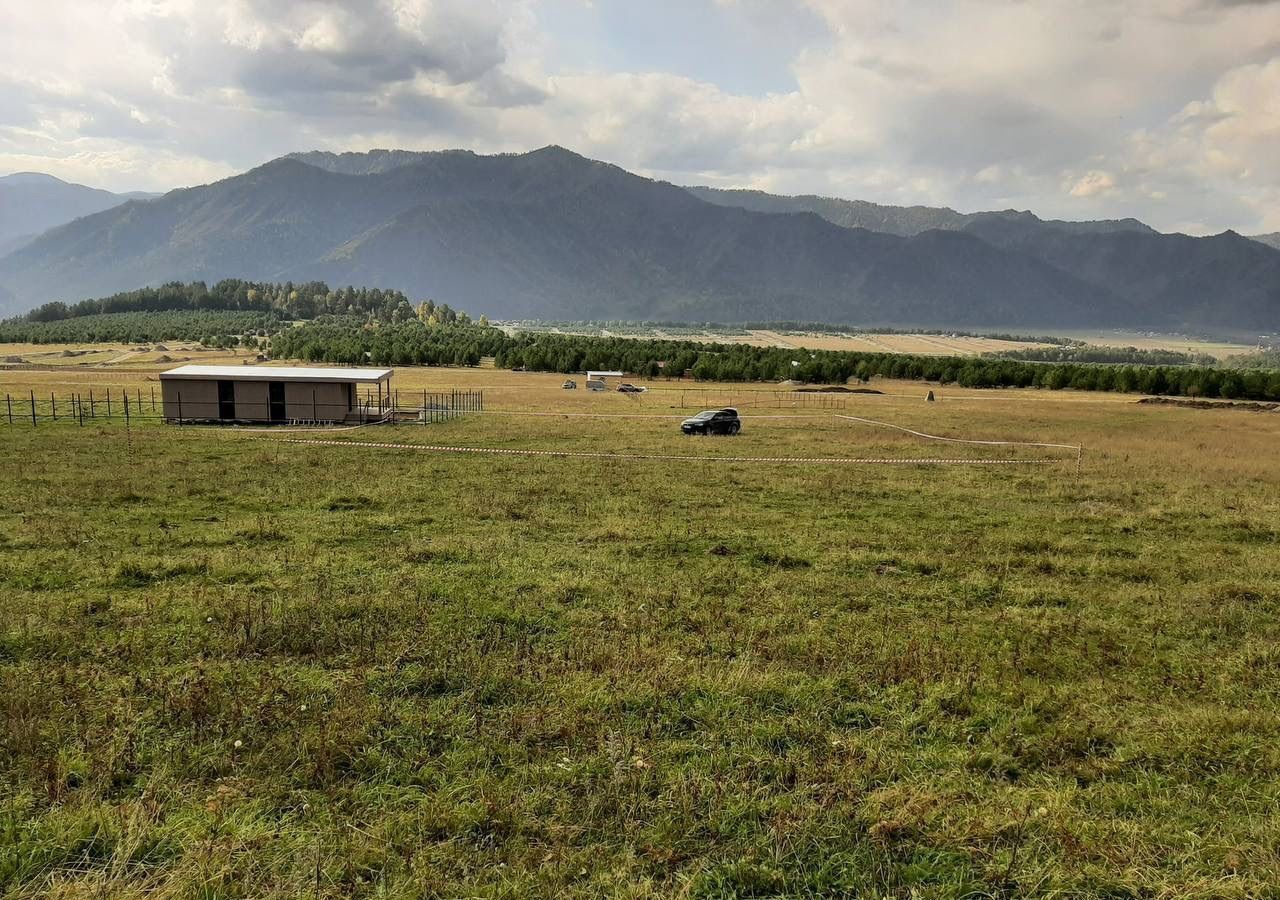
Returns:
(197, 393)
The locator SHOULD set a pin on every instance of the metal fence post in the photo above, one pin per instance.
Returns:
(33, 409)
(53, 405)
(108, 403)
(9, 402)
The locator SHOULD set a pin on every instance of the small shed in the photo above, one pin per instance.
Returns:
(274, 394)
(596, 380)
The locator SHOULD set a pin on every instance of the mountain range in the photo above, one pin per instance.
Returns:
(551, 234)
(31, 203)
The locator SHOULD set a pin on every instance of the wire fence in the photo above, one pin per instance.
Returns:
(135, 405)
(706, 398)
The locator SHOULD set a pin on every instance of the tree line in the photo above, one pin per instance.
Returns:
(382, 327)
(736, 328)
(213, 328)
(413, 343)
(303, 300)
(1087, 353)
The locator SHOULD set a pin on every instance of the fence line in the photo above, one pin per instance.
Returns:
(134, 405)
(706, 398)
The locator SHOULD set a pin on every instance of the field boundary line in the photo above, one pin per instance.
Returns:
(590, 454)
(952, 440)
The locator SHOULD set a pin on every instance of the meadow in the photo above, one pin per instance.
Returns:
(928, 344)
(236, 667)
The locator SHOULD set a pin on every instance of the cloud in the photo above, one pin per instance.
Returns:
(1163, 109)
(1092, 183)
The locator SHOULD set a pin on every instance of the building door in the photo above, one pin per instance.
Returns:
(226, 400)
(275, 396)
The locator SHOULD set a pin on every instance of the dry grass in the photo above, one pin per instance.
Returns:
(514, 677)
(1176, 342)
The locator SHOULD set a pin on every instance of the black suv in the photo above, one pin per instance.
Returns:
(713, 421)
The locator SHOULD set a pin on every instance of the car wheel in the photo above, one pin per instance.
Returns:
(737, 426)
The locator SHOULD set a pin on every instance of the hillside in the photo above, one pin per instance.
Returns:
(550, 234)
(31, 203)
(900, 220)
(1271, 240)
(1199, 283)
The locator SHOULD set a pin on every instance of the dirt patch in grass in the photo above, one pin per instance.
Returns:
(1190, 403)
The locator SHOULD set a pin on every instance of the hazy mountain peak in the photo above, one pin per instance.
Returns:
(32, 178)
(34, 202)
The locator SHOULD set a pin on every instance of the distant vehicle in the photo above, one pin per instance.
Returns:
(631, 389)
(713, 421)
(570, 385)
(593, 385)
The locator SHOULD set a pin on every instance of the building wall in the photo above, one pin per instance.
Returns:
(190, 399)
(252, 401)
(323, 401)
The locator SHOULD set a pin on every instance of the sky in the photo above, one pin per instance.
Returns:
(1166, 110)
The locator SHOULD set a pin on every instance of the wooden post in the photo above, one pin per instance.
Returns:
(153, 398)
(33, 409)
(108, 403)
(53, 405)
(79, 410)
(9, 402)
(93, 411)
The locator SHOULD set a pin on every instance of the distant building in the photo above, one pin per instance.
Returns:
(274, 394)
(596, 380)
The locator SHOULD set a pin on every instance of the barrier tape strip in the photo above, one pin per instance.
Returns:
(587, 454)
(951, 440)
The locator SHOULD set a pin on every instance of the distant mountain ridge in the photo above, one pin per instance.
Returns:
(32, 202)
(1271, 240)
(551, 234)
(901, 220)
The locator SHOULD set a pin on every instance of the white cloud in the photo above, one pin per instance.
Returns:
(1092, 183)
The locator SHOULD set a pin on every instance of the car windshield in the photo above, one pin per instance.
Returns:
(703, 416)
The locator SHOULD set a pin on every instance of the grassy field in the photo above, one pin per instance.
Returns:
(233, 667)
(931, 344)
(939, 344)
(1153, 341)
